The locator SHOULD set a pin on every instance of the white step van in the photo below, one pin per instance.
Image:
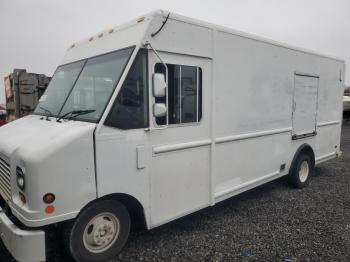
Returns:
(156, 119)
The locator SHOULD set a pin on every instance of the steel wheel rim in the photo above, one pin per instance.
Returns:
(304, 171)
(101, 232)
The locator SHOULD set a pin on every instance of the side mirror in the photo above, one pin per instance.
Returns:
(159, 110)
(159, 85)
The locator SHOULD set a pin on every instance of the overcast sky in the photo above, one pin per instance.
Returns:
(35, 34)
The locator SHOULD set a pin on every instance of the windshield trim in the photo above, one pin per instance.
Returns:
(133, 47)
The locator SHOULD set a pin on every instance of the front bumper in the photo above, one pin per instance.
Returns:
(24, 245)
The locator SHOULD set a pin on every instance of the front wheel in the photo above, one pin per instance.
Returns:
(301, 171)
(99, 232)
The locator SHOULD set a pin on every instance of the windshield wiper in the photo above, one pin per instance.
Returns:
(48, 113)
(74, 114)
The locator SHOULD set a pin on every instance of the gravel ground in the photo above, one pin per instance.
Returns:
(269, 223)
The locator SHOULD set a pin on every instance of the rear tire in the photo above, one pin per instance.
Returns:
(301, 171)
(99, 233)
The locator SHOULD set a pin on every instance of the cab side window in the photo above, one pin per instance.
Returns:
(184, 94)
(130, 109)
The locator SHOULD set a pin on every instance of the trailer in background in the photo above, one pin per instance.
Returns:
(23, 91)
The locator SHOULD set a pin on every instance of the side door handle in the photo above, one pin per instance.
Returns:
(140, 157)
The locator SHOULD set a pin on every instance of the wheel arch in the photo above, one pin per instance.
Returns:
(133, 205)
(304, 148)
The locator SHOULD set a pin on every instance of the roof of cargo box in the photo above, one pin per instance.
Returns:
(140, 29)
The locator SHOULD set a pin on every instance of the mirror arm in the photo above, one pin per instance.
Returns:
(147, 43)
(160, 59)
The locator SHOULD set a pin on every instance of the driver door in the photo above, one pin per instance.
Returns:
(122, 141)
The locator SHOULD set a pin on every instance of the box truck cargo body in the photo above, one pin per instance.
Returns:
(159, 118)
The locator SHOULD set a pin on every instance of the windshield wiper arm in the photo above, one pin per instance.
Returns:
(48, 113)
(75, 113)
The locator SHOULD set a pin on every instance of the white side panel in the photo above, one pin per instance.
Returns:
(254, 89)
(239, 162)
(329, 111)
(254, 86)
(180, 183)
(327, 140)
(305, 104)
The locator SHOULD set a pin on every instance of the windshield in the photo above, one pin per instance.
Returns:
(84, 85)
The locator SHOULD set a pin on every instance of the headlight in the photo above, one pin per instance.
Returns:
(21, 183)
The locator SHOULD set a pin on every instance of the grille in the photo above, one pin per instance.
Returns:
(5, 184)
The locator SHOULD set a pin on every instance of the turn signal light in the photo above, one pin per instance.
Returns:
(49, 209)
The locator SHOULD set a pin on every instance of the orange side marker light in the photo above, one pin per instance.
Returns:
(49, 209)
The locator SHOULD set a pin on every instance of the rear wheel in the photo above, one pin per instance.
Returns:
(301, 171)
(99, 232)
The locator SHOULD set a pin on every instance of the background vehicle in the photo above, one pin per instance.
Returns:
(159, 118)
(347, 91)
(3, 115)
(346, 107)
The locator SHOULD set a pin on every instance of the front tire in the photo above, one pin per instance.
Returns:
(99, 233)
(301, 171)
